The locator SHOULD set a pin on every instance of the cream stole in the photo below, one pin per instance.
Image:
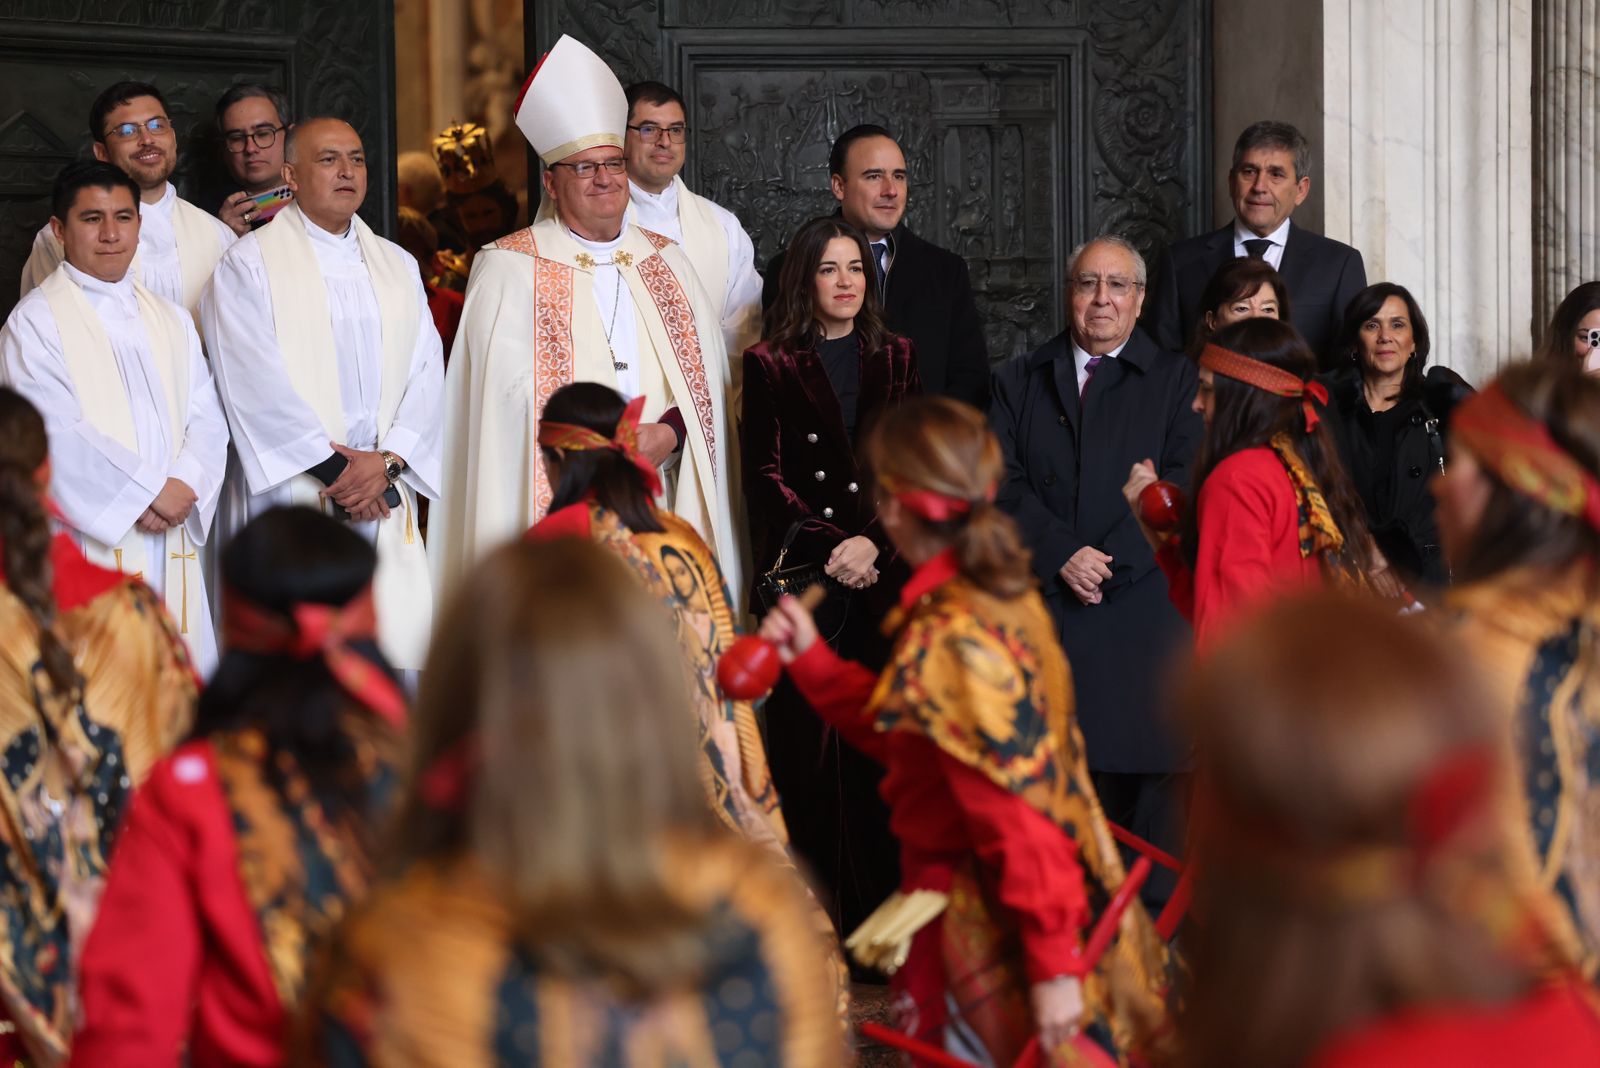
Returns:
(705, 243)
(304, 328)
(86, 350)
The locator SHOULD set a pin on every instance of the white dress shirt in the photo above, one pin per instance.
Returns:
(1273, 255)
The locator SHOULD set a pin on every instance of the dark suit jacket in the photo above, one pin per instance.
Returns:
(1065, 468)
(1321, 275)
(797, 462)
(928, 298)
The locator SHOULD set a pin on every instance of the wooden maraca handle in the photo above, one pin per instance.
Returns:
(813, 596)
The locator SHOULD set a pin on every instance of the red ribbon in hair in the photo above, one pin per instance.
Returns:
(318, 630)
(931, 505)
(625, 440)
(1522, 452)
(1275, 380)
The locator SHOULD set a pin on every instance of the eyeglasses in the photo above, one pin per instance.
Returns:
(649, 131)
(588, 168)
(1086, 285)
(127, 130)
(263, 136)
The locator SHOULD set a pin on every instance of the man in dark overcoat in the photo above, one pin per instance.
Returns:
(1072, 417)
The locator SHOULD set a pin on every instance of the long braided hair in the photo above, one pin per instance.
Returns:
(25, 531)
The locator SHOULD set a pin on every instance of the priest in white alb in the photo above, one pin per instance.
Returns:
(138, 440)
(712, 237)
(179, 244)
(331, 372)
(581, 296)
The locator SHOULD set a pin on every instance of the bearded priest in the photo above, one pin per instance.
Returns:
(582, 296)
(331, 372)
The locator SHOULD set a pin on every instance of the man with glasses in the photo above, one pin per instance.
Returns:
(253, 122)
(179, 245)
(1073, 417)
(582, 296)
(723, 256)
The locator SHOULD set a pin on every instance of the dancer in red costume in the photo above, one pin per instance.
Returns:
(1361, 902)
(1273, 508)
(1005, 854)
(95, 685)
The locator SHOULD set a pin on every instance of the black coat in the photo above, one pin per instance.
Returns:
(1395, 494)
(797, 463)
(1321, 275)
(1064, 474)
(928, 298)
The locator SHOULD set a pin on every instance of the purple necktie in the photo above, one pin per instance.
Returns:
(1088, 374)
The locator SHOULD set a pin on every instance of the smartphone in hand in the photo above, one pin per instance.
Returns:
(271, 202)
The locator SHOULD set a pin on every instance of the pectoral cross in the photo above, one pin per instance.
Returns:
(183, 572)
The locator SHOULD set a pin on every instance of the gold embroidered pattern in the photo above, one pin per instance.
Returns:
(552, 350)
(678, 317)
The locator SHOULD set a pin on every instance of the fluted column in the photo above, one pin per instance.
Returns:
(1427, 141)
(1566, 101)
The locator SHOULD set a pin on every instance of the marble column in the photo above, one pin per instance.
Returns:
(1566, 96)
(1427, 135)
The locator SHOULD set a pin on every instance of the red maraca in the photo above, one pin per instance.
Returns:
(750, 667)
(1161, 506)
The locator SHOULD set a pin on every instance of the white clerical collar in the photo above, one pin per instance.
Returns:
(1242, 233)
(163, 206)
(666, 200)
(119, 293)
(328, 237)
(603, 248)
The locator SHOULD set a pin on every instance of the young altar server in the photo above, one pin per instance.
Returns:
(138, 441)
(331, 372)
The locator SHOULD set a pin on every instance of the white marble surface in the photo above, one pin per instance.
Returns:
(1427, 134)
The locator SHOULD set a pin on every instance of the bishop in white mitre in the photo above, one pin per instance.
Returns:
(179, 244)
(581, 296)
(138, 440)
(331, 372)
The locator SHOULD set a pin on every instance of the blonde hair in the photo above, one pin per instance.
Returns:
(946, 447)
(562, 678)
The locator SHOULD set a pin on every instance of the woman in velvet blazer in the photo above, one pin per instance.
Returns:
(812, 389)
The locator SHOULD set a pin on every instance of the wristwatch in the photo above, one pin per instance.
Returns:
(392, 465)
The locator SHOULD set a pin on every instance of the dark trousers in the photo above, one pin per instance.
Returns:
(1154, 807)
(838, 825)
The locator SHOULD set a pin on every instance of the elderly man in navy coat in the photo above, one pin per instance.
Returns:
(1072, 417)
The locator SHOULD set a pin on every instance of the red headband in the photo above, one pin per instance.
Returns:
(931, 505)
(1521, 451)
(625, 440)
(1276, 380)
(318, 630)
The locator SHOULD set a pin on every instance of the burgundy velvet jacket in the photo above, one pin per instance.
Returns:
(798, 463)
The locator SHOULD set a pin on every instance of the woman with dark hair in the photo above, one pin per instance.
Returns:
(245, 845)
(826, 371)
(95, 685)
(1390, 419)
(1005, 854)
(1361, 906)
(1574, 334)
(1272, 506)
(603, 492)
(557, 891)
(1242, 288)
(1519, 514)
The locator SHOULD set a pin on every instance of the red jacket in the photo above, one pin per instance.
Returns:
(943, 811)
(1555, 1027)
(1249, 524)
(175, 958)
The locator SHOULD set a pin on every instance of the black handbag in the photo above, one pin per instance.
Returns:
(779, 581)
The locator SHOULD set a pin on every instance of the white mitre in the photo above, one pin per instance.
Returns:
(571, 102)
